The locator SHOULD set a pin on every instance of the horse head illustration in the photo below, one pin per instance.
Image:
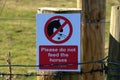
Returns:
(55, 24)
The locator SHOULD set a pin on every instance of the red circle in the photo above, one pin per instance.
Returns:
(66, 20)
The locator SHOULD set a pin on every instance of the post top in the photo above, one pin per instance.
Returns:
(58, 10)
(117, 7)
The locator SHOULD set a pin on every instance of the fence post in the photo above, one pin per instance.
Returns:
(59, 75)
(114, 45)
(10, 68)
(93, 33)
(79, 3)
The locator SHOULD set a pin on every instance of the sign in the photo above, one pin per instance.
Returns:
(54, 22)
(62, 57)
(58, 42)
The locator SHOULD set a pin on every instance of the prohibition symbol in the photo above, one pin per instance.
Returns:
(58, 29)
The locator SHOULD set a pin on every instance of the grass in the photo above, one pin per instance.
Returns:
(19, 36)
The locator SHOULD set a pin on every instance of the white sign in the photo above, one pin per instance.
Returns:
(58, 42)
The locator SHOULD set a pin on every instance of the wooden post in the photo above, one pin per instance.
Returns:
(59, 75)
(93, 33)
(10, 68)
(79, 3)
(114, 45)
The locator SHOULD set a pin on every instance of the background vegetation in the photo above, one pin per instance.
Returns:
(18, 30)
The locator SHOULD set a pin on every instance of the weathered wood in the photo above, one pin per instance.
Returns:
(45, 10)
(114, 44)
(10, 68)
(93, 33)
(65, 75)
(79, 3)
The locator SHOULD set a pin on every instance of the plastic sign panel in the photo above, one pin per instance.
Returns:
(58, 42)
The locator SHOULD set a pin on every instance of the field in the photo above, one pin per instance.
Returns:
(18, 31)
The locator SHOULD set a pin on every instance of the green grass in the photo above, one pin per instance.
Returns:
(19, 36)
